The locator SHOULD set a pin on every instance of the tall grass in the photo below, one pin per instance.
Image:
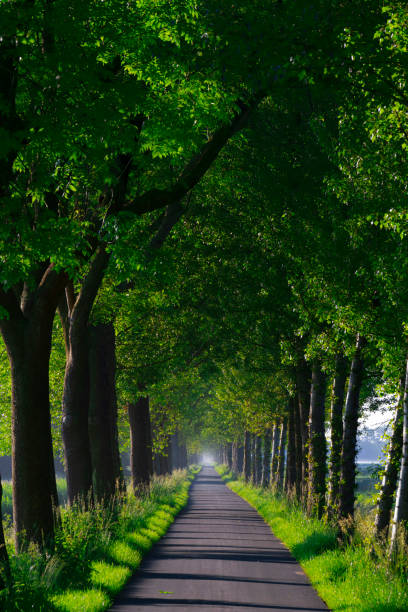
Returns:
(347, 577)
(96, 551)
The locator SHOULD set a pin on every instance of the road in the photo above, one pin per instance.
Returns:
(219, 554)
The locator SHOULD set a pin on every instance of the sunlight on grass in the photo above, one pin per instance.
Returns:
(346, 578)
(91, 600)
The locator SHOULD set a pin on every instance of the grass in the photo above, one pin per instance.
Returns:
(96, 551)
(347, 578)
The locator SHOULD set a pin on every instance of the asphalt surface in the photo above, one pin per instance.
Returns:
(219, 555)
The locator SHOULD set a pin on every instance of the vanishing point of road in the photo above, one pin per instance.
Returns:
(219, 554)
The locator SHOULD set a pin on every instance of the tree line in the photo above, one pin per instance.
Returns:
(207, 202)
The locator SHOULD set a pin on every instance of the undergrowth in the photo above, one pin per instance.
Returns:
(348, 577)
(96, 551)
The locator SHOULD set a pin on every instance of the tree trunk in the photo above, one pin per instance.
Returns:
(5, 575)
(391, 471)
(350, 425)
(336, 425)
(235, 457)
(247, 456)
(401, 502)
(303, 382)
(317, 443)
(282, 453)
(275, 450)
(28, 342)
(258, 460)
(290, 479)
(266, 468)
(76, 396)
(140, 443)
(298, 447)
(229, 455)
(240, 458)
(103, 431)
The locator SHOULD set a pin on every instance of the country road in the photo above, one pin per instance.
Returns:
(219, 555)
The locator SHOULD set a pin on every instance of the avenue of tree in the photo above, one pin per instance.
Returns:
(203, 244)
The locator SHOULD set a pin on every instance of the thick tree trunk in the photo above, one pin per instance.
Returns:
(76, 396)
(5, 576)
(282, 453)
(140, 443)
(303, 382)
(28, 342)
(350, 425)
(390, 476)
(247, 457)
(401, 502)
(266, 467)
(290, 478)
(317, 443)
(275, 450)
(103, 431)
(336, 425)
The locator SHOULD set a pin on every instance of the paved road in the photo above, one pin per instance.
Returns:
(219, 555)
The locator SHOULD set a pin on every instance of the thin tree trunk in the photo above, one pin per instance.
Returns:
(235, 457)
(258, 460)
(391, 471)
(401, 502)
(298, 447)
(140, 443)
(303, 382)
(229, 455)
(247, 456)
(275, 450)
(103, 432)
(350, 425)
(336, 426)
(240, 458)
(266, 468)
(5, 575)
(290, 478)
(253, 458)
(317, 443)
(282, 453)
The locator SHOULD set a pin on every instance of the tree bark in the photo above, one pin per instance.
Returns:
(247, 457)
(27, 335)
(258, 460)
(350, 425)
(282, 453)
(401, 502)
(317, 443)
(336, 425)
(229, 455)
(390, 477)
(103, 430)
(141, 463)
(76, 395)
(266, 468)
(303, 382)
(235, 457)
(5, 575)
(275, 450)
(290, 478)
(298, 447)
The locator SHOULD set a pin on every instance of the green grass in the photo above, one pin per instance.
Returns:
(96, 551)
(347, 578)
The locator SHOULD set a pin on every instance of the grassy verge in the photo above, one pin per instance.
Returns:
(346, 578)
(96, 551)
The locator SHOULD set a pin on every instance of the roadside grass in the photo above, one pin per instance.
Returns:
(348, 577)
(96, 551)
